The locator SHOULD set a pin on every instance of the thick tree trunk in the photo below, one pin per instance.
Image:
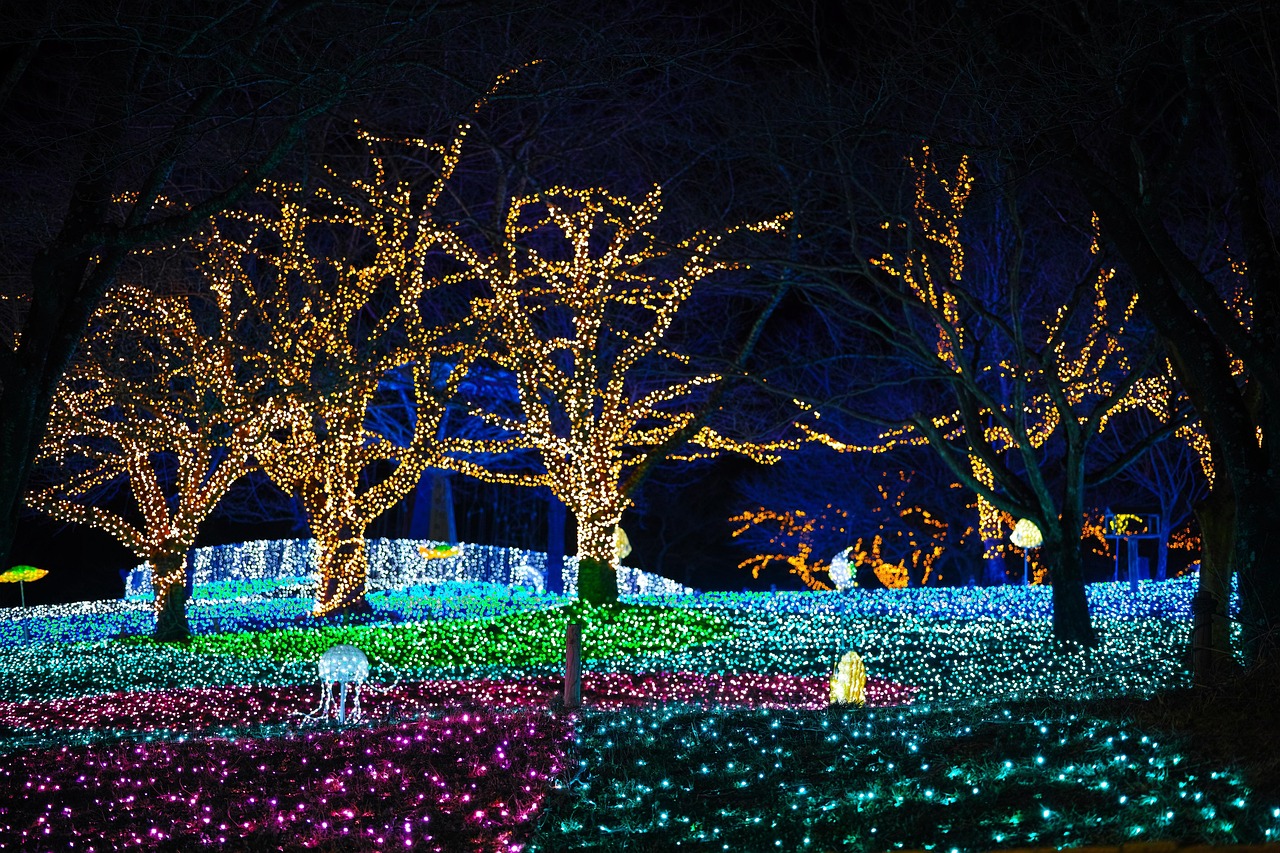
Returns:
(344, 570)
(1211, 657)
(169, 582)
(1259, 583)
(597, 559)
(1071, 621)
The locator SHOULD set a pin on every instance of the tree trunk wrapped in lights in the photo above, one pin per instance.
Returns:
(581, 297)
(158, 403)
(335, 327)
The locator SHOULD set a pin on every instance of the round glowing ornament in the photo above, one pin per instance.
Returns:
(841, 571)
(1026, 535)
(621, 544)
(20, 575)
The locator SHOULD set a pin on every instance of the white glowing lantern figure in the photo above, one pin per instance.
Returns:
(344, 666)
(841, 571)
(1026, 535)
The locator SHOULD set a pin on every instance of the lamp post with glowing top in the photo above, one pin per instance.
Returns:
(1026, 536)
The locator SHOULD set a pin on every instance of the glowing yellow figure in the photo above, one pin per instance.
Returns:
(849, 684)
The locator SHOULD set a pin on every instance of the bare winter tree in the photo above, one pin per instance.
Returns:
(1012, 403)
(1165, 118)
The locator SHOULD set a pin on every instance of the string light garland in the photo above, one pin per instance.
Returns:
(908, 541)
(470, 778)
(322, 343)
(736, 718)
(395, 567)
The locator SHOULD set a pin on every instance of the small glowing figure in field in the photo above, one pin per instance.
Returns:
(849, 684)
(343, 666)
(841, 571)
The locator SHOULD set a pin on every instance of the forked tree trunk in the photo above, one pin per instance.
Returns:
(169, 583)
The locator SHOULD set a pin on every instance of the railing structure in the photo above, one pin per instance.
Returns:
(1131, 529)
(393, 564)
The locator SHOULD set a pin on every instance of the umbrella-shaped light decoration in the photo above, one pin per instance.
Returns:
(1026, 535)
(20, 575)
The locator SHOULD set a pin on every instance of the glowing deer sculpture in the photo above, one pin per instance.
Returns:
(344, 666)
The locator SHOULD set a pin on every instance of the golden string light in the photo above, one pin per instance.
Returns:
(152, 385)
(908, 540)
(1091, 369)
(338, 326)
(580, 298)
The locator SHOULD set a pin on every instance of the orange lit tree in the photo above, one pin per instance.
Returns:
(158, 407)
(884, 526)
(788, 541)
(581, 296)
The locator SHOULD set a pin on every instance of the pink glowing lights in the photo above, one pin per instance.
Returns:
(196, 709)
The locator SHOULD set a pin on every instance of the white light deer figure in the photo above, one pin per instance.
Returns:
(343, 666)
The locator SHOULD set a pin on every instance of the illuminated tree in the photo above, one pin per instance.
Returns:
(1172, 475)
(335, 327)
(581, 297)
(788, 541)
(894, 523)
(153, 423)
(1065, 381)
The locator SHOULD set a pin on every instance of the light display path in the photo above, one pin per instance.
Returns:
(705, 727)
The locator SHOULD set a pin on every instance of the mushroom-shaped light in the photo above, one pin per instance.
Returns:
(20, 575)
(1026, 535)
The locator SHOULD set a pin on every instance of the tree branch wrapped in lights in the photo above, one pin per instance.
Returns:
(580, 298)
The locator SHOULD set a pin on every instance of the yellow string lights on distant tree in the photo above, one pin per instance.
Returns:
(907, 543)
(1069, 381)
(580, 298)
(158, 401)
(791, 542)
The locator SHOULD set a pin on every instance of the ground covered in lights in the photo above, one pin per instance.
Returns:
(706, 726)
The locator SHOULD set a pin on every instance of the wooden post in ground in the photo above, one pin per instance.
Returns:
(573, 666)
